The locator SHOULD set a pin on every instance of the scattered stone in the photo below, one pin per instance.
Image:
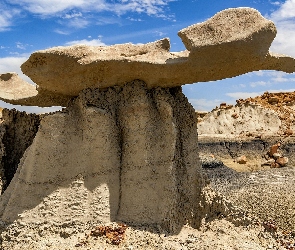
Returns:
(274, 149)
(209, 161)
(282, 161)
(288, 132)
(275, 165)
(268, 162)
(235, 116)
(276, 156)
(242, 159)
(273, 100)
(223, 105)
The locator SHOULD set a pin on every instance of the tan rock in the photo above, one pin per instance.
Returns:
(234, 41)
(282, 161)
(288, 132)
(275, 165)
(242, 159)
(269, 162)
(222, 105)
(276, 156)
(274, 149)
(273, 100)
(14, 88)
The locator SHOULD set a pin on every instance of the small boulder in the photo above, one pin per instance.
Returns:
(242, 159)
(274, 149)
(276, 156)
(269, 162)
(223, 105)
(288, 132)
(275, 165)
(282, 161)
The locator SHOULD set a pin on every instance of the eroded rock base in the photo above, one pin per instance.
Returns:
(121, 154)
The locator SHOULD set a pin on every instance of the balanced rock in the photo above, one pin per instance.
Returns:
(231, 43)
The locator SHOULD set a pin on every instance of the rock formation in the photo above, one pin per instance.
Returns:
(264, 115)
(231, 43)
(125, 148)
(254, 127)
(128, 153)
(17, 131)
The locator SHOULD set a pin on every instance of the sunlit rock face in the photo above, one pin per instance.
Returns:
(127, 154)
(233, 42)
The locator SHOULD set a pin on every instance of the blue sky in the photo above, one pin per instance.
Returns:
(30, 25)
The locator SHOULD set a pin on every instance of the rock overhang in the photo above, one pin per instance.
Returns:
(231, 43)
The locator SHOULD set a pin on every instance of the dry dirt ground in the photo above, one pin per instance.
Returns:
(267, 195)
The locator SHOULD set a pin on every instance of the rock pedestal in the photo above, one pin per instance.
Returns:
(121, 154)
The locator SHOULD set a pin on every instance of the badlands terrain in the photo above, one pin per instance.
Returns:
(240, 146)
(122, 167)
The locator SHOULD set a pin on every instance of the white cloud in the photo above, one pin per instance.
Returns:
(12, 64)
(276, 3)
(30, 109)
(286, 11)
(53, 7)
(93, 42)
(283, 79)
(204, 104)
(243, 95)
(6, 16)
(77, 23)
(259, 83)
(72, 15)
(280, 90)
(284, 18)
(21, 46)
(61, 32)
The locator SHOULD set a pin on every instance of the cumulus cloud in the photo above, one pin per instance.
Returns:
(53, 7)
(284, 18)
(286, 11)
(93, 42)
